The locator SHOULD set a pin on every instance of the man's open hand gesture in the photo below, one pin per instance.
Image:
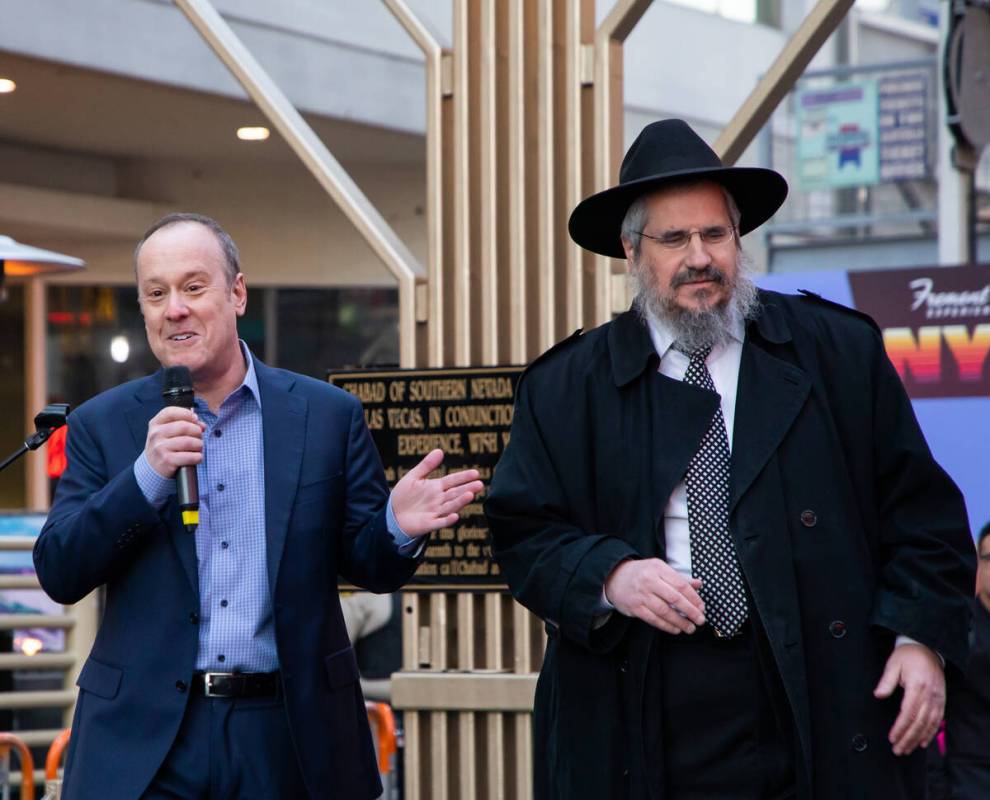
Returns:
(422, 504)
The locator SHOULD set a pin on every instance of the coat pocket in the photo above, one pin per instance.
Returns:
(342, 668)
(100, 679)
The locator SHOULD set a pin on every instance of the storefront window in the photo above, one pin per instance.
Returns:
(95, 340)
(96, 337)
(321, 330)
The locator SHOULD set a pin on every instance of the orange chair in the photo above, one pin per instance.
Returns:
(55, 754)
(383, 720)
(8, 741)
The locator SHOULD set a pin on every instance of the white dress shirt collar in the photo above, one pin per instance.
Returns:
(663, 336)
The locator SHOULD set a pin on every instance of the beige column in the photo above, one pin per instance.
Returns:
(35, 389)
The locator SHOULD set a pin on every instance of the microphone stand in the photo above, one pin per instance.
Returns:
(46, 423)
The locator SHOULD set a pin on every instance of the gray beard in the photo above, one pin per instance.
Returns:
(709, 327)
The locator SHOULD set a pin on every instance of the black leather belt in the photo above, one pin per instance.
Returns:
(236, 684)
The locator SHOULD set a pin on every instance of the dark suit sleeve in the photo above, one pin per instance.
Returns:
(926, 559)
(96, 521)
(367, 554)
(553, 567)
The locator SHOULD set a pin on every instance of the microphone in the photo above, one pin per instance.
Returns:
(178, 391)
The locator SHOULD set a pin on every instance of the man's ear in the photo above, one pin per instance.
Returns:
(239, 291)
(628, 248)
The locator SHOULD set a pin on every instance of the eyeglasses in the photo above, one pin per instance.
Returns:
(678, 240)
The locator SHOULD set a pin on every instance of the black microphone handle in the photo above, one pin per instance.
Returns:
(178, 391)
(187, 489)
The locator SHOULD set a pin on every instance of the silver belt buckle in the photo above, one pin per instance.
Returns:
(208, 682)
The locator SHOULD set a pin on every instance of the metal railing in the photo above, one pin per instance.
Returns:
(79, 623)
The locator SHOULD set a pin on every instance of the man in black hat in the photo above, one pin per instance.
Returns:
(750, 566)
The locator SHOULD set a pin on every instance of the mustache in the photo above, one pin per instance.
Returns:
(709, 273)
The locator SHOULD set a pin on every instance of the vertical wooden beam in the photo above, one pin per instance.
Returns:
(495, 723)
(439, 754)
(413, 755)
(410, 630)
(522, 663)
(517, 222)
(542, 40)
(462, 185)
(488, 316)
(573, 141)
(411, 719)
(467, 755)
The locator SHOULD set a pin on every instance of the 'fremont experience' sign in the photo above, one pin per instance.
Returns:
(936, 326)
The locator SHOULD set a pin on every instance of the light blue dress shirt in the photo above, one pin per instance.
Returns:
(236, 624)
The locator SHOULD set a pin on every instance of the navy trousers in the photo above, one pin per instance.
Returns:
(230, 749)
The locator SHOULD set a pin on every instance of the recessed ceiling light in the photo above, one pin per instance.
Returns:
(258, 134)
(7, 86)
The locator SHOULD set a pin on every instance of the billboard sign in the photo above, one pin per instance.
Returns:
(837, 136)
(936, 326)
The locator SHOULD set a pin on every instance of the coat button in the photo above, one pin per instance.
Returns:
(624, 665)
(194, 618)
(180, 686)
(809, 518)
(837, 628)
(859, 743)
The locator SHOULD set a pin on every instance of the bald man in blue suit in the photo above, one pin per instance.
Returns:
(222, 667)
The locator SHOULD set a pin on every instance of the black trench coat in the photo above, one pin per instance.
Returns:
(838, 511)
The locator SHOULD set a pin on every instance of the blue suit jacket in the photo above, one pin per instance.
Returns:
(325, 498)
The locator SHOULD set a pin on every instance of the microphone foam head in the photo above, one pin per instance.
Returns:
(178, 389)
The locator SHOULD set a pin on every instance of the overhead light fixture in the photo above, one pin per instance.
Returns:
(23, 260)
(253, 134)
(7, 86)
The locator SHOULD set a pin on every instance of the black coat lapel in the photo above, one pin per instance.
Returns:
(682, 414)
(769, 396)
(149, 397)
(676, 414)
(284, 422)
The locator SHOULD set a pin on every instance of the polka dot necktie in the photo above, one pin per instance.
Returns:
(713, 553)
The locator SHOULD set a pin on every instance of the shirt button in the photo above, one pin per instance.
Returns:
(221, 658)
(220, 487)
(180, 686)
(837, 628)
(809, 518)
(223, 604)
(194, 618)
(224, 545)
(217, 432)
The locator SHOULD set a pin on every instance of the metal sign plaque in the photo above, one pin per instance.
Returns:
(465, 412)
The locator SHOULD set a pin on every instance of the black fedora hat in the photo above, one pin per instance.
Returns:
(665, 153)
